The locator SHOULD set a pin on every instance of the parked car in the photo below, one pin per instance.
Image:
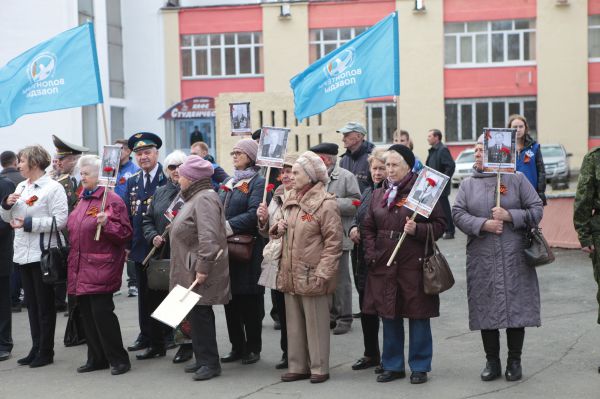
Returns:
(556, 162)
(464, 166)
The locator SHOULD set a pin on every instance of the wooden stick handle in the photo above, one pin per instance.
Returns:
(267, 176)
(196, 281)
(498, 189)
(389, 263)
(99, 226)
(154, 248)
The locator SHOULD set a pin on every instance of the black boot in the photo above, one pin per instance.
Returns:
(513, 370)
(514, 340)
(491, 346)
(492, 370)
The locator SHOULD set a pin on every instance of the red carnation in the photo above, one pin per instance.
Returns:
(431, 182)
(270, 187)
(122, 180)
(224, 187)
(108, 169)
(505, 150)
(356, 203)
(175, 212)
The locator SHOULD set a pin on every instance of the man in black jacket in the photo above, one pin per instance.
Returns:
(355, 159)
(439, 158)
(6, 267)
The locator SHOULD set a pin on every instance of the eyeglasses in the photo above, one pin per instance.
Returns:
(173, 167)
(236, 153)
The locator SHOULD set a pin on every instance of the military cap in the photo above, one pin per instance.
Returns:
(353, 127)
(325, 148)
(143, 140)
(64, 148)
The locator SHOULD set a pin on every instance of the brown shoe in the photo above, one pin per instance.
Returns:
(289, 377)
(317, 378)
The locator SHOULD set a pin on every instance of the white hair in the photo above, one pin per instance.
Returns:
(89, 160)
(177, 157)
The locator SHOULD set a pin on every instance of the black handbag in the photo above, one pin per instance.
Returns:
(53, 262)
(536, 249)
(437, 276)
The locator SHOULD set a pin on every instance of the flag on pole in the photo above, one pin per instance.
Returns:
(59, 73)
(367, 66)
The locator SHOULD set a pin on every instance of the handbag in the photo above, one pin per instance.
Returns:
(158, 271)
(240, 247)
(53, 262)
(536, 249)
(437, 276)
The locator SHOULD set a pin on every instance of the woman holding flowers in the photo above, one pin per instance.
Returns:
(396, 292)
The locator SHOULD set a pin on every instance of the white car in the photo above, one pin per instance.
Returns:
(464, 166)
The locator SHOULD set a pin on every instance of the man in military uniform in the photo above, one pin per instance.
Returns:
(586, 217)
(138, 195)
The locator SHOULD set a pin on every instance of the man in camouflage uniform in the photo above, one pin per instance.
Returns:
(586, 216)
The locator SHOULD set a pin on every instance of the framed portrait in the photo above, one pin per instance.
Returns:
(499, 150)
(240, 119)
(174, 208)
(272, 146)
(427, 191)
(109, 166)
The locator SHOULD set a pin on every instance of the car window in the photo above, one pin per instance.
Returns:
(552, 152)
(466, 157)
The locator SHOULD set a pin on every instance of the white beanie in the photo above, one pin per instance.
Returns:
(314, 167)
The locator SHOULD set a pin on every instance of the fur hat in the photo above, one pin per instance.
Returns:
(314, 167)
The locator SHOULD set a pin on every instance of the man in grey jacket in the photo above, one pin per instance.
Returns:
(345, 186)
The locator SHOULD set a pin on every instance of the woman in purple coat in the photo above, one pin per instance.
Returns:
(95, 268)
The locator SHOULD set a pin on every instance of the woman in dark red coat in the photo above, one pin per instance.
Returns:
(396, 292)
(95, 268)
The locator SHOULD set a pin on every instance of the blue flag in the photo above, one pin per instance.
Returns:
(366, 66)
(59, 73)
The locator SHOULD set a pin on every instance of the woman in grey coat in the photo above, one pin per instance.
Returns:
(502, 290)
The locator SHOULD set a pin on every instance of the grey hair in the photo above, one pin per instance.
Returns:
(89, 160)
(332, 158)
(177, 157)
(377, 154)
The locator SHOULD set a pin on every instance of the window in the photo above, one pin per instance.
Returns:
(222, 54)
(115, 49)
(117, 123)
(476, 44)
(86, 11)
(466, 118)
(324, 41)
(89, 127)
(381, 122)
(594, 37)
(594, 115)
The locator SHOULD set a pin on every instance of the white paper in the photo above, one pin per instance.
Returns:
(173, 309)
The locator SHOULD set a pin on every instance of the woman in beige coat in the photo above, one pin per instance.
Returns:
(312, 245)
(199, 252)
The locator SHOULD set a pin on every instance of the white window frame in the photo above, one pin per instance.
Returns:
(383, 106)
(338, 41)
(591, 28)
(489, 100)
(222, 46)
(593, 106)
(489, 32)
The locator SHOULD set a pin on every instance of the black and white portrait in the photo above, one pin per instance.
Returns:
(499, 150)
(272, 146)
(240, 118)
(426, 191)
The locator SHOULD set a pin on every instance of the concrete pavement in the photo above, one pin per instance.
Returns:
(560, 359)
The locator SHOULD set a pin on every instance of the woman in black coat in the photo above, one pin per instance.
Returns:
(241, 196)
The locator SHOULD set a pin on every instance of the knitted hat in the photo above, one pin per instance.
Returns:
(195, 168)
(248, 147)
(314, 167)
(290, 159)
(405, 153)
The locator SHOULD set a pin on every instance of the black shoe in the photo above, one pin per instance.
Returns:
(25, 361)
(513, 370)
(16, 308)
(184, 353)
(283, 363)
(151, 353)
(41, 361)
(448, 236)
(251, 358)
(120, 369)
(138, 345)
(277, 325)
(492, 370)
(388, 376)
(418, 377)
(86, 368)
(231, 357)
(206, 373)
(60, 307)
(365, 363)
(356, 315)
(191, 368)
(4, 355)
(379, 369)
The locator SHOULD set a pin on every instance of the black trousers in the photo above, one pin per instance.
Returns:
(41, 310)
(15, 286)
(244, 315)
(448, 212)
(6, 343)
(159, 332)
(144, 318)
(60, 294)
(514, 341)
(131, 274)
(274, 313)
(370, 328)
(102, 330)
(204, 336)
(279, 303)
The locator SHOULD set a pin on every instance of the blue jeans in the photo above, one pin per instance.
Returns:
(420, 348)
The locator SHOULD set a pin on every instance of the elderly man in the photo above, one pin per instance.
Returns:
(355, 159)
(200, 148)
(138, 195)
(345, 187)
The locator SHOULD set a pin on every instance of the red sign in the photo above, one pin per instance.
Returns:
(192, 108)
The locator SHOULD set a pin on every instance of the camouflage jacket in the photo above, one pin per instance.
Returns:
(71, 190)
(586, 217)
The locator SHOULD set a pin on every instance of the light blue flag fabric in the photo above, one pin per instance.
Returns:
(367, 66)
(59, 73)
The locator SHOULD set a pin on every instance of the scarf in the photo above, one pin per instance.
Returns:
(304, 190)
(247, 173)
(198, 185)
(87, 194)
(389, 199)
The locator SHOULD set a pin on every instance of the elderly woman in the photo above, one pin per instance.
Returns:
(266, 219)
(241, 195)
(30, 211)
(154, 224)
(95, 268)
(502, 290)
(312, 233)
(199, 252)
(396, 292)
(369, 322)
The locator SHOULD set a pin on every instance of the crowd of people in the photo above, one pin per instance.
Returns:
(323, 223)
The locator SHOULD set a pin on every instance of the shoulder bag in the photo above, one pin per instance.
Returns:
(437, 276)
(240, 247)
(53, 262)
(158, 271)
(536, 249)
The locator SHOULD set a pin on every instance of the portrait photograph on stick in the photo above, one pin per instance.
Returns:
(499, 150)
(426, 191)
(109, 167)
(240, 119)
(272, 146)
